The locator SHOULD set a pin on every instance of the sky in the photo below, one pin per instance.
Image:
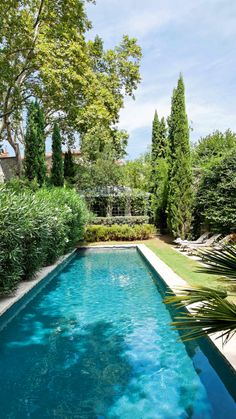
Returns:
(194, 37)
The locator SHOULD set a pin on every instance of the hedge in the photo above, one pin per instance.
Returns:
(121, 220)
(95, 233)
(35, 229)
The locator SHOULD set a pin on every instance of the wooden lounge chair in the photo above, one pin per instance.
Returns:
(200, 239)
(222, 242)
(209, 242)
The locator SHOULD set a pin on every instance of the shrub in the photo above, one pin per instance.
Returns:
(95, 233)
(35, 229)
(120, 220)
(215, 203)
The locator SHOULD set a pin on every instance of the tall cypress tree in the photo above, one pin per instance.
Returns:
(155, 137)
(160, 173)
(40, 123)
(34, 161)
(31, 144)
(57, 173)
(180, 176)
(163, 143)
(69, 167)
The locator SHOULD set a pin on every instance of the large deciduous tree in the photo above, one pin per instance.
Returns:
(44, 55)
(179, 205)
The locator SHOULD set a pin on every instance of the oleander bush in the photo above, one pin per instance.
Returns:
(35, 229)
(121, 220)
(95, 233)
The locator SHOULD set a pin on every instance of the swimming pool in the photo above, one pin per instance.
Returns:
(95, 342)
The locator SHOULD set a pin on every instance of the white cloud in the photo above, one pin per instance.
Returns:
(138, 115)
(176, 35)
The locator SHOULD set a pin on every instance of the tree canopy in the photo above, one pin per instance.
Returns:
(216, 195)
(44, 55)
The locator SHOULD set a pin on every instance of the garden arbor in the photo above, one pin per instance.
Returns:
(112, 201)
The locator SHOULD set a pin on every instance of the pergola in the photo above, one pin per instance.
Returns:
(116, 201)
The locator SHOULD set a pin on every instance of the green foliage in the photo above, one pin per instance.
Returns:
(220, 261)
(137, 173)
(216, 312)
(95, 233)
(160, 193)
(40, 123)
(101, 173)
(34, 161)
(212, 147)
(159, 177)
(159, 139)
(215, 202)
(103, 142)
(69, 167)
(44, 54)
(35, 229)
(57, 172)
(179, 205)
(155, 137)
(120, 220)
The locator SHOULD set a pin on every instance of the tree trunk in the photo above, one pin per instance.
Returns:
(15, 147)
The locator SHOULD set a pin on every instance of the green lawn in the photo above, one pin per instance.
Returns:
(182, 265)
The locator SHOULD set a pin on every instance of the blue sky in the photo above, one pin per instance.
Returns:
(195, 37)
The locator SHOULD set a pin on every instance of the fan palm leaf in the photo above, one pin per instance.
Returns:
(220, 261)
(210, 310)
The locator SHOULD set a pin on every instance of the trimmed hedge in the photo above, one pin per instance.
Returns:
(35, 229)
(95, 233)
(121, 220)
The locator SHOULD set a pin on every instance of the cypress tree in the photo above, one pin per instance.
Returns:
(57, 173)
(69, 166)
(31, 145)
(34, 161)
(155, 137)
(160, 174)
(163, 143)
(40, 123)
(180, 176)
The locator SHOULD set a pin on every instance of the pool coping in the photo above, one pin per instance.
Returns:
(170, 278)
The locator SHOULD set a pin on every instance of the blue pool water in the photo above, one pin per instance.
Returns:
(96, 343)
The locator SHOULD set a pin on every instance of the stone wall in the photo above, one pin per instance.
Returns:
(8, 168)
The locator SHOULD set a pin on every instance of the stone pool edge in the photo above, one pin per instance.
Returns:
(24, 287)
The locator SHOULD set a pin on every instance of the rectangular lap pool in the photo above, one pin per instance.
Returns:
(95, 342)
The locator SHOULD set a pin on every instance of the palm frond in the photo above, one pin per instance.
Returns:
(210, 309)
(188, 296)
(217, 315)
(220, 261)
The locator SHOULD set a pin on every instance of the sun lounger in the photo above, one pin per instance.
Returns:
(209, 242)
(200, 239)
(222, 242)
